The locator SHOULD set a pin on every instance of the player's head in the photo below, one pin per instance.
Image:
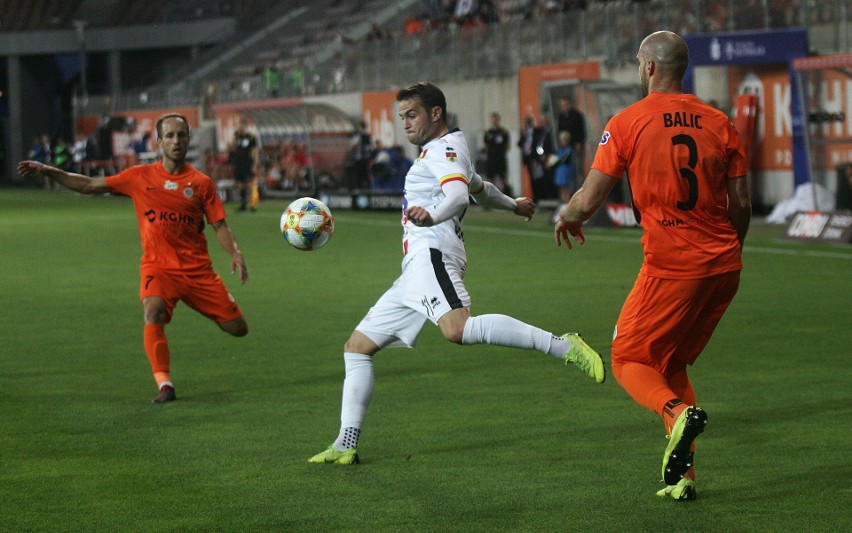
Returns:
(495, 119)
(423, 110)
(173, 137)
(170, 116)
(663, 57)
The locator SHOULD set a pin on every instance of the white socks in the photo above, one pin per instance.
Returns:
(502, 330)
(357, 393)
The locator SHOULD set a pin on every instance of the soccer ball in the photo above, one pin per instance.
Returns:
(307, 224)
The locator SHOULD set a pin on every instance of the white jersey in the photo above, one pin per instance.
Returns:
(441, 160)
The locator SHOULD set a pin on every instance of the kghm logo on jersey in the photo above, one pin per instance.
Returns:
(170, 186)
(452, 157)
(605, 137)
(170, 218)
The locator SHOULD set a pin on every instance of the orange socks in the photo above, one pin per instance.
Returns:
(157, 350)
(671, 411)
(645, 384)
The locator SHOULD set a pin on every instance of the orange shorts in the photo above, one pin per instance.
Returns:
(201, 290)
(664, 318)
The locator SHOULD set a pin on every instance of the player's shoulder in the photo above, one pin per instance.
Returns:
(450, 146)
(130, 173)
(197, 174)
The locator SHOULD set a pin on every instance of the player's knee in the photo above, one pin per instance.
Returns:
(453, 332)
(237, 328)
(360, 343)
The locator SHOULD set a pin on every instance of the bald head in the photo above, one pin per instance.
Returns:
(669, 55)
(668, 50)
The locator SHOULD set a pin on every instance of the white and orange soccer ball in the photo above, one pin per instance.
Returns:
(307, 224)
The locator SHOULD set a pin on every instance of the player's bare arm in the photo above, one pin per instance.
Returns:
(229, 243)
(75, 182)
(739, 206)
(582, 206)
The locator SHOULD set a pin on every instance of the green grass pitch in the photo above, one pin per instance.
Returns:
(464, 439)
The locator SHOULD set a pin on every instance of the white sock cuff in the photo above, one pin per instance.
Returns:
(356, 359)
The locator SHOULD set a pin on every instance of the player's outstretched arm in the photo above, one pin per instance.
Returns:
(75, 182)
(229, 243)
(488, 195)
(582, 206)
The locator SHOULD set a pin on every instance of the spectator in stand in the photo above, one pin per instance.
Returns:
(401, 164)
(272, 80)
(545, 148)
(527, 143)
(361, 147)
(40, 152)
(496, 141)
(297, 77)
(563, 175)
(572, 120)
(78, 153)
(61, 155)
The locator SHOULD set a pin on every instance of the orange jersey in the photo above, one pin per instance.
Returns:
(678, 154)
(170, 210)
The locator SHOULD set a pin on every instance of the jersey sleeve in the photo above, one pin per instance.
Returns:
(450, 163)
(122, 183)
(737, 162)
(610, 157)
(214, 210)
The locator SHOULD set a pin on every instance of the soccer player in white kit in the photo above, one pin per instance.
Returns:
(437, 189)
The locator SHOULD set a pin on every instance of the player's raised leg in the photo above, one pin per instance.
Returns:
(502, 330)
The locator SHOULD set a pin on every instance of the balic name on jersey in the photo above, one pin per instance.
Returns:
(681, 119)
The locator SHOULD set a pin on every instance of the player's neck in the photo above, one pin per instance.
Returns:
(668, 87)
(174, 167)
(440, 132)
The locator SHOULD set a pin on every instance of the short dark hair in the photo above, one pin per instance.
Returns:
(428, 93)
(167, 116)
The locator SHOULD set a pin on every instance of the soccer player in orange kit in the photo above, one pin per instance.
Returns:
(687, 174)
(172, 200)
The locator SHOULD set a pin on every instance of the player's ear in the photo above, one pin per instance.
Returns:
(650, 66)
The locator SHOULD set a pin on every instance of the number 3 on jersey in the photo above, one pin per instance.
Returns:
(688, 173)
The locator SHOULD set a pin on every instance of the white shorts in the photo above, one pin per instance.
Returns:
(430, 286)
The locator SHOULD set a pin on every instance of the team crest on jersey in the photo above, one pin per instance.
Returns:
(452, 157)
(170, 186)
(605, 137)
(422, 154)
(188, 192)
